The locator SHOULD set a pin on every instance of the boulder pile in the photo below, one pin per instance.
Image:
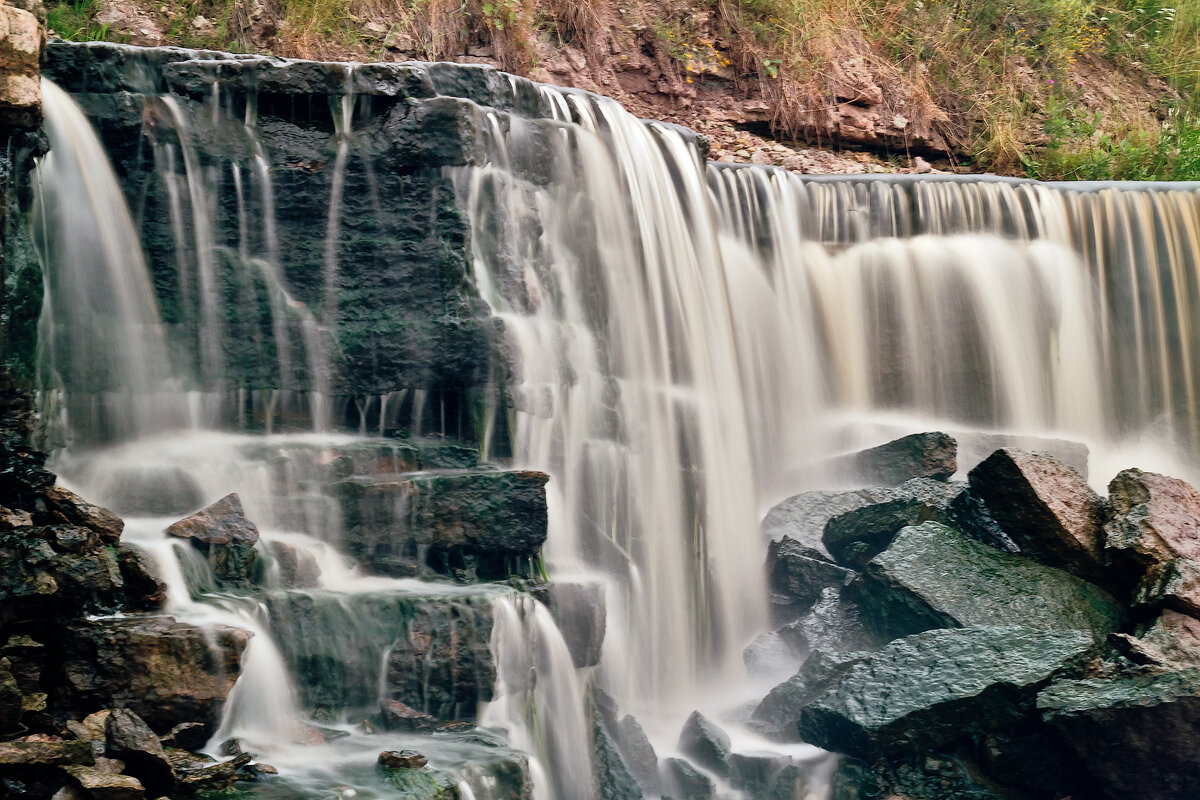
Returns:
(1014, 635)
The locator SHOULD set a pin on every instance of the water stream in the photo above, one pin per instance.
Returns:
(688, 344)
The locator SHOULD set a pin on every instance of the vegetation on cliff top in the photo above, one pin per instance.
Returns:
(1075, 89)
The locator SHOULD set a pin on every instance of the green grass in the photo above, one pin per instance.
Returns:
(76, 20)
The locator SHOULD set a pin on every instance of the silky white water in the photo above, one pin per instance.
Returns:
(690, 343)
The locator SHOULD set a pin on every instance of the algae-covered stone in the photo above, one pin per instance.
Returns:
(1045, 506)
(933, 688)
(935, 577)
(1136, 734)
(424, 783)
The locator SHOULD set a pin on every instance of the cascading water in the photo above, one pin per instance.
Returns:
(688, 344)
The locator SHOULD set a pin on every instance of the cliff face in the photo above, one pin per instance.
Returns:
(859, 87)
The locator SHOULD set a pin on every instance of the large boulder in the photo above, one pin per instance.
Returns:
(821, 671)
(702, 741)
(475, 524)
(1136, 734)
(20, 50)
(223, 534)
(1154, 519)
(833, 625)
(928, 690)
(918, 455)
(60, 505)
(166, 672)
(41, 581)
(933, 576)
(1045, 506)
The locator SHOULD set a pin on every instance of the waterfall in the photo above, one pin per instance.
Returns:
(683, 345)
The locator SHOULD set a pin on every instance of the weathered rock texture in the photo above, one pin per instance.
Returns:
(20, 50)
(1046, 507)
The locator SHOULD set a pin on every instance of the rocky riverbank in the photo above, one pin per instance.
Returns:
(1013, 635)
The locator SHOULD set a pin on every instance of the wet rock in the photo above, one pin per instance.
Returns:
(1154, 520)
(14, 519)
(1171, 584)
(436, 453)
(145, 590)
(579, 610)
(39, 584)
(297, 569)
(186, 736)
(857, 536)
(1031, 757)
(22, 753)
(614, 780)
(423, 783)
(487, 524)
(802, 517)
(796, 574)
(222, 532)
(1173, 641)
(683, 781)
(752, 771)
(1044, 506)
(780, 709)
(1135, 734)
(933, 688)
(100, 785)
(166, 672)
(919, 455)
(20, 51)
(833, 625)
(705, 743)
(402, 759)
(130, 739)
(639, 754)
(200, 773)
(934, 577)
(59, 504)
(399, 717)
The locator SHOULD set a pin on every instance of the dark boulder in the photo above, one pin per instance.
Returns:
(702, 741)
(402, 759)
(833, 625)
(919, 455)
(934, 577)
(614, 780)
(11, 701)
(857, 536)
(1154, 519)
(639, 754)
(796, 575)
(931, 689)
(1045, 506)
(1135, 734)
(58, 504)
(145, 589)
(399, 717)
(802, 517)
(682, 781)
(484, 524)
(199, 773)
(166, 672)
(129, 739)
(39, 584)
(223, 534)
(780, 709)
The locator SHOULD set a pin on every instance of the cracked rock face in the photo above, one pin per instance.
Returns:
(20, 86)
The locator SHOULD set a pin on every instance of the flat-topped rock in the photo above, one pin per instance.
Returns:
(935, 577)
(928, 690)
(1136, 734)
